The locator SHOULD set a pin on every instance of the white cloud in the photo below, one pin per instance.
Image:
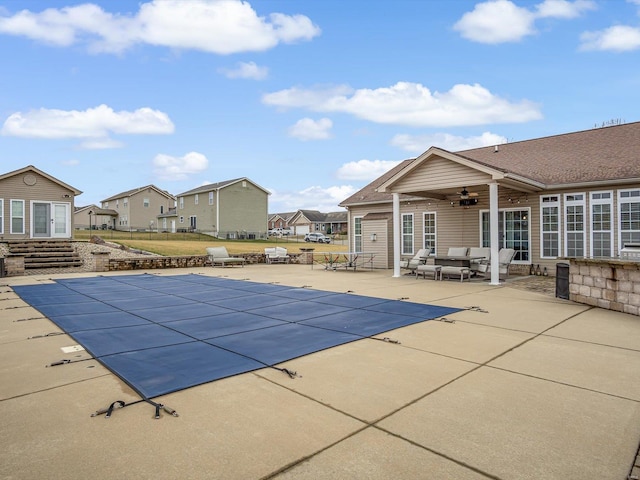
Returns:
(246, 70)
(499, 21)
(166, 167)
(619, 38)
(452, 143)
(93, 124)
(563, 8)
(410, 104)
(309, 129)
(366, 170)
(216, 26)
(311, 198)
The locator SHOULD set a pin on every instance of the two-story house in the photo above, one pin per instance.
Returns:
(138, 209)
(231, 209)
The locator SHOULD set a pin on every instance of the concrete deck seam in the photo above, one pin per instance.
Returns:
(577, 340)
(22, 395)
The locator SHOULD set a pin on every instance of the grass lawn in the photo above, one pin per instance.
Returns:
(195, 244)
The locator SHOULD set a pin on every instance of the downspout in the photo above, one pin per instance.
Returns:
(396, 235)
(493, 233)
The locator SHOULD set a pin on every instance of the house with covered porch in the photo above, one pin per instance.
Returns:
(571, 195)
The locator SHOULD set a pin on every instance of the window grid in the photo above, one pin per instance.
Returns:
(407, 234)
(430, 231)
(357, 234)
(601, 224)
(574, 223)
(629, 205)
(550, 226)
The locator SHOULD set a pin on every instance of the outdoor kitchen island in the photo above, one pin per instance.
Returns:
(611, 283)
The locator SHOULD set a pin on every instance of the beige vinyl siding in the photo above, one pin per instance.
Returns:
(243, 208)
(382, 246)
(44, 190)
(441, 172)
(140, 217)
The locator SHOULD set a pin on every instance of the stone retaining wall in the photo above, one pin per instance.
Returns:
(105, 264)
(606, 283)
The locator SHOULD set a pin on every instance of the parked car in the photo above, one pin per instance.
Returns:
(317, 237)
(280, 231)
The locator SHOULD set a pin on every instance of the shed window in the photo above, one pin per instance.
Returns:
(17, 216)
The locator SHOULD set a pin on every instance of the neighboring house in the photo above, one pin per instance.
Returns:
(33, 204)
(279, 220)
(309, 221)
(231, 209)
(570, 195)
(138, 209)
(168, 221)
(93, 217)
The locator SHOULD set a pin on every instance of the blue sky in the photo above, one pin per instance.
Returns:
(309, 99)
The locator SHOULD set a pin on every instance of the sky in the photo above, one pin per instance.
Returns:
(309, 99)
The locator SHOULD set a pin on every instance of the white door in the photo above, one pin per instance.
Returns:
(173, 226)
(61, 220)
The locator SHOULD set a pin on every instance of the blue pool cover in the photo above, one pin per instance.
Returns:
(161, 334)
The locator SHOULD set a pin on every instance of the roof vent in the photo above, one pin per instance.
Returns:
(496, 149)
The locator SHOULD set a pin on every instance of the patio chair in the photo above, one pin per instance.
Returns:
(418, 259)
(220, 256)
(457, 252)
(505, 257)
(475, 264)
(276, 255)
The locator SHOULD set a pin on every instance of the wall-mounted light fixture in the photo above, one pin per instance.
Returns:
(374, 237)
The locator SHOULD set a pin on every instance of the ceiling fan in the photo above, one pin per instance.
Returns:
(465, 194)
(467, 198)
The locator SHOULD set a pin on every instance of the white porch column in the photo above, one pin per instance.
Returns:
(493, 233)
(396, 234)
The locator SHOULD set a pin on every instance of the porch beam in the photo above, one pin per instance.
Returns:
(396, 234)
(493, 233)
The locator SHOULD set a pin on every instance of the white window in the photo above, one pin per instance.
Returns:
(125, 202)
(1, 216)
(549, 226)
(629, 206)
(357, 234)
(601, 224)
(210, 198)
(196, 199)
(574, 225)
(407, 233)
(430, 231)
(145, 202)
(17, 216)
(181, 203)
(117, 204)
(105, 205)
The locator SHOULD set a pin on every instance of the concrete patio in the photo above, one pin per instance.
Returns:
(518, 385)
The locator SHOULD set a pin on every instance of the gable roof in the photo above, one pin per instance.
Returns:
(600, 155)
(220, 185)
(31, 168)
(134, 191)
(370, 194)
(286, 216)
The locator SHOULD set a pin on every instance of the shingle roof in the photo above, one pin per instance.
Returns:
(210, 186)
(599, 154)
(133, 191)
(596, 155)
